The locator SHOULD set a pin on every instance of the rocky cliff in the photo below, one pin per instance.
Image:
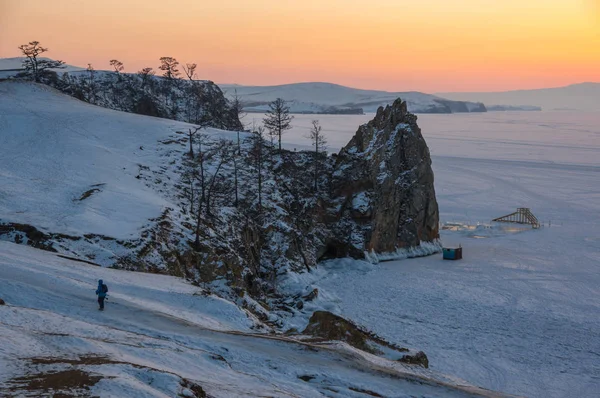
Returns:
(382, 186)
(198, 101)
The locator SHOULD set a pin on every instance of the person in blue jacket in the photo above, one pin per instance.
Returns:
(101, 292)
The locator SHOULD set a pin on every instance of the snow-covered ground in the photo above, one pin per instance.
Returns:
(158, 333)
(521, 312)
(98, 151)
(73, 168)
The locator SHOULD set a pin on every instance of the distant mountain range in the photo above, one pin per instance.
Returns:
(335, 99)
(328, 98)
(582, 97)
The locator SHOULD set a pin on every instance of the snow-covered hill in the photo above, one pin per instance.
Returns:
(333, 98)
(83, 171)
(160, 337)
(582, 97)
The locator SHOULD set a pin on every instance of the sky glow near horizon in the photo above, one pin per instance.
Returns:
(394, 45)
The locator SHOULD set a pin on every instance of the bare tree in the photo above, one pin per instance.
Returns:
(235, 155)
(238, 111)
(91, 84)
(188, 177)
(146, 73)
(237, 106)
(215, 154)
(225, 150)
(319, 142)
(278, 119)
(257, 154)
(192, 134)
(169, 66)
(34, 66)
(190, 71)
(201, 177)
(117, 65)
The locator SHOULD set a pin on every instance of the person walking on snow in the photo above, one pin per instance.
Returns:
(101, 293)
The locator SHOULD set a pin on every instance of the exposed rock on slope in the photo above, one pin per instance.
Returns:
(383, 184)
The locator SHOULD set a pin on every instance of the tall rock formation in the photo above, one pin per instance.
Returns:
(382, 185)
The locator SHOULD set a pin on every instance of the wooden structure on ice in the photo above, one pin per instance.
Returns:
(522, 216)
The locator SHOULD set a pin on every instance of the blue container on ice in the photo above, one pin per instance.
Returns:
(452, 253)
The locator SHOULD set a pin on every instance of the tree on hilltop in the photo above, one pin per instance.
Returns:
(117, 65)
(190, 71)
(169, 66)
(35, 67)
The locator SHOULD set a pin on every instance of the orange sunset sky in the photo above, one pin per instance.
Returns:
(395, 45)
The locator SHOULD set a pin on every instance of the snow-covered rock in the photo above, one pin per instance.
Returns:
(384, 182)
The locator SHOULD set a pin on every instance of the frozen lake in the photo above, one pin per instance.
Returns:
(521, 312)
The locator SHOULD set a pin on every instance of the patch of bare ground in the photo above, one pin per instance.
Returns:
(64, 383)
(88, 193)
(75, 381)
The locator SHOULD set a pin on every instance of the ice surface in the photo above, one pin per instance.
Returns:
(521, 312)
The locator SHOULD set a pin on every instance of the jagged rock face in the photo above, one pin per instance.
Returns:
(197, 102)
(383, 185)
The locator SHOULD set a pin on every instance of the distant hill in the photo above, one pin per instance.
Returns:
(583, 97)
(333, 98)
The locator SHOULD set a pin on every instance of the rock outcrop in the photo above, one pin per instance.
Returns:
(382, 185)
(327, 326)
(197, 102)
